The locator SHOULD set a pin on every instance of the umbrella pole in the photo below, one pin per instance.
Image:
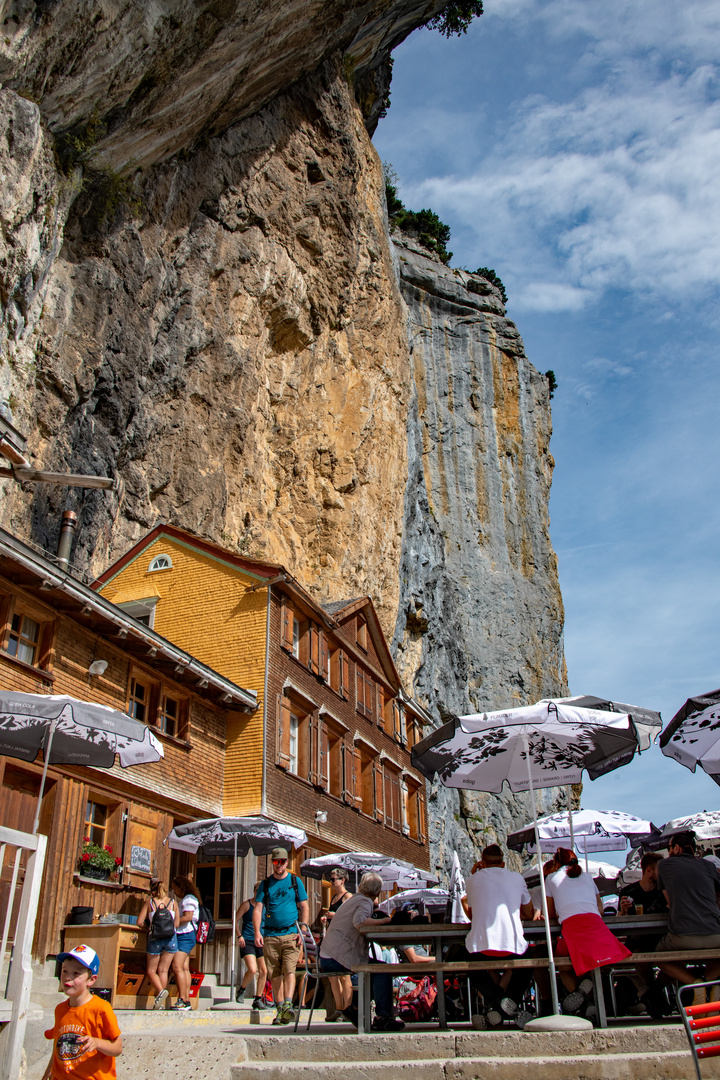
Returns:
(233, 943)
(46, 761)
(568, 789)
(548, 936)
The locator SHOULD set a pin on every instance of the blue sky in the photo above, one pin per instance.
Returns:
(575, 148)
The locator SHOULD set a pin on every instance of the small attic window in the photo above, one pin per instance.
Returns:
(160, 562)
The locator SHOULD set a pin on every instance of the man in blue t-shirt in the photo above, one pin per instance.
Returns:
(282, 900)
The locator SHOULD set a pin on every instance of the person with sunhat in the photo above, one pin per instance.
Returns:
(283, 900)
(86, 1037)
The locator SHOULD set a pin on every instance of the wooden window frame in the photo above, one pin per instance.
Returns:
(364, 694)
(393, 798)
(181, 719)
(305, 765)
(338, 671)
(361, 633)
(14, 604)
(217, 867)
(158, 692)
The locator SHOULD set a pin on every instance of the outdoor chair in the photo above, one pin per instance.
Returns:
(310, 958)
(702, 1022)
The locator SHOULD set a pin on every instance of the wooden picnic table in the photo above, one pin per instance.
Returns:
(440, 936)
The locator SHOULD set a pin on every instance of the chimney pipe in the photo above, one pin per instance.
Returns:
(69, 524)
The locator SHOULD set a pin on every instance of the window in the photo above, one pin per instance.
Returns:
(335, 739)
(339, 671)
(96, 819)
(365, 694)
(142, 610)
(414, 731)
(24, 638)
(160, 562)
(392, 804)
(294, 748)
(415, 811)
(170, 715)
(361, 633)
(157, 705)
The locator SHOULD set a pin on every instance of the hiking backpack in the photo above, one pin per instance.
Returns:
(419, 1004)
(205, 932)
(162, 924)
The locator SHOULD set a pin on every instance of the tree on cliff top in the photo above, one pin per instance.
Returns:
(424, 225)
(456, 17)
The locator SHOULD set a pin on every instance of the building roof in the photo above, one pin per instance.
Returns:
(340, 605)
(38, 574)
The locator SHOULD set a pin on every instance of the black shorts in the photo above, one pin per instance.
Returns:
(251, 949)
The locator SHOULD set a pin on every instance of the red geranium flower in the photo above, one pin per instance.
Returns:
(85, 857)
(118, 860)
(108, 849)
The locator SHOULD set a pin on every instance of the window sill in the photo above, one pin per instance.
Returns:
(29, 669)
(97, 881)
(184, 744)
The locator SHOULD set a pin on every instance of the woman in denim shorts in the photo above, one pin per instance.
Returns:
(160, 951)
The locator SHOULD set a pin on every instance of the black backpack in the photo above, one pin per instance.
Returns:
(206, 926)
(163, 923)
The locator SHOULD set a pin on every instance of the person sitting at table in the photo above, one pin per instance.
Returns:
(573, 899)
(344, 946)
(692, 889)
(495, 901)
(644, 897)
(408, 915)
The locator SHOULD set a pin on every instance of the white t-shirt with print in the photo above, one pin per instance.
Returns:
(189, 903)
(572, 896)
(495, 895)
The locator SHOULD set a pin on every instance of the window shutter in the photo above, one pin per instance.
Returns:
(369, 697)
(323, 767)
(421, 813)
(314, 755)
(344, 676)
(324, 658)
(286, 630)
(348, 787)
(395, 790)
(359, 690)
(283, 732)
(397, 721)
(379, 786)
(314, 659)
(380, 702)
(141, 831)
(404, 808)
(357, 778)
(403, 728)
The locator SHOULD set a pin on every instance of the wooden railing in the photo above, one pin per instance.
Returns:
(15, 988)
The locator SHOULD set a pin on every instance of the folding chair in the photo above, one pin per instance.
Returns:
(702, 1023)
(310, 957)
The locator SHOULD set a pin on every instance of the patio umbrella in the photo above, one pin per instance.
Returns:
(392, 871)
(457, 891)
(593, 830)
(548, 744)
(693, 735)
(431, 900)
(705, 825)
(230, 837)
(71, 732)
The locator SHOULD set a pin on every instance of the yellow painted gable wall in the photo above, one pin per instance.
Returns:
(205, 607)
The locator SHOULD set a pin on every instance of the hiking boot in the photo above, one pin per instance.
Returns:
(573, 1002)
(351, 1015)
(585, 986)
(259, 1004)
(652, 999)
(387, 1023)
(493, 1017)
(240, 995)
(159, 1002)
(714, 995)
(278, 1017)
(521, 1018)
(508, 1006)
(288, 1013)
(478, 1021)
(699, 996)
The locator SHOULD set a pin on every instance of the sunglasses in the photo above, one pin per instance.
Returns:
(276, 862)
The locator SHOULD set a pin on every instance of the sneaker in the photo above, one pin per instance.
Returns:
(181, 1006)
(585, 986)
(160, 998)
(240, 995)
(493, 1017)
(508, 1006)
(351, 1015)
(652, 1000)
(699, 996)
(258, 1004)
(387, 1023)
(573, 1001)
(714, 995)
(521, 1018)
(591, 1012)
(478, 1021)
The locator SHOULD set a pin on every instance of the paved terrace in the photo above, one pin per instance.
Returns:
(221, 1046)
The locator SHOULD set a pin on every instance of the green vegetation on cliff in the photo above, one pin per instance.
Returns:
(456, 17)
(424, 225)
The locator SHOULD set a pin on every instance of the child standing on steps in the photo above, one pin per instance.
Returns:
(86, 1037)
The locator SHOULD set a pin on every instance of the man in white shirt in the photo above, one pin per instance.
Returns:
(496, 900)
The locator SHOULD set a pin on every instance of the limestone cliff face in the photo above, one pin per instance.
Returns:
(228, 327)
(480, 615)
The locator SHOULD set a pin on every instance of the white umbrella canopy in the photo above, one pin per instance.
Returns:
(647, 721)
(221, 837)
(693, 735)
(71, 732)
(457, 891)
(705, 825)
(593, 830)
(483, 751)
(392, 871)
(430, 900)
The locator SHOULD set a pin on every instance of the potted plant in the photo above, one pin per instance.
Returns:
(97, 862)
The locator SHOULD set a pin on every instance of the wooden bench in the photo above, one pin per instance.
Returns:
(455, 967)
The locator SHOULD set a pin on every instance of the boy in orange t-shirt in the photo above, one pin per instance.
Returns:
(86, 1037)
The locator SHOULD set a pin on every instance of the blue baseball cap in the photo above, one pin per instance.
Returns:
(84, 955)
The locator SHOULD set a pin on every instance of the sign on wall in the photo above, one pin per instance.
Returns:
(141, 859)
